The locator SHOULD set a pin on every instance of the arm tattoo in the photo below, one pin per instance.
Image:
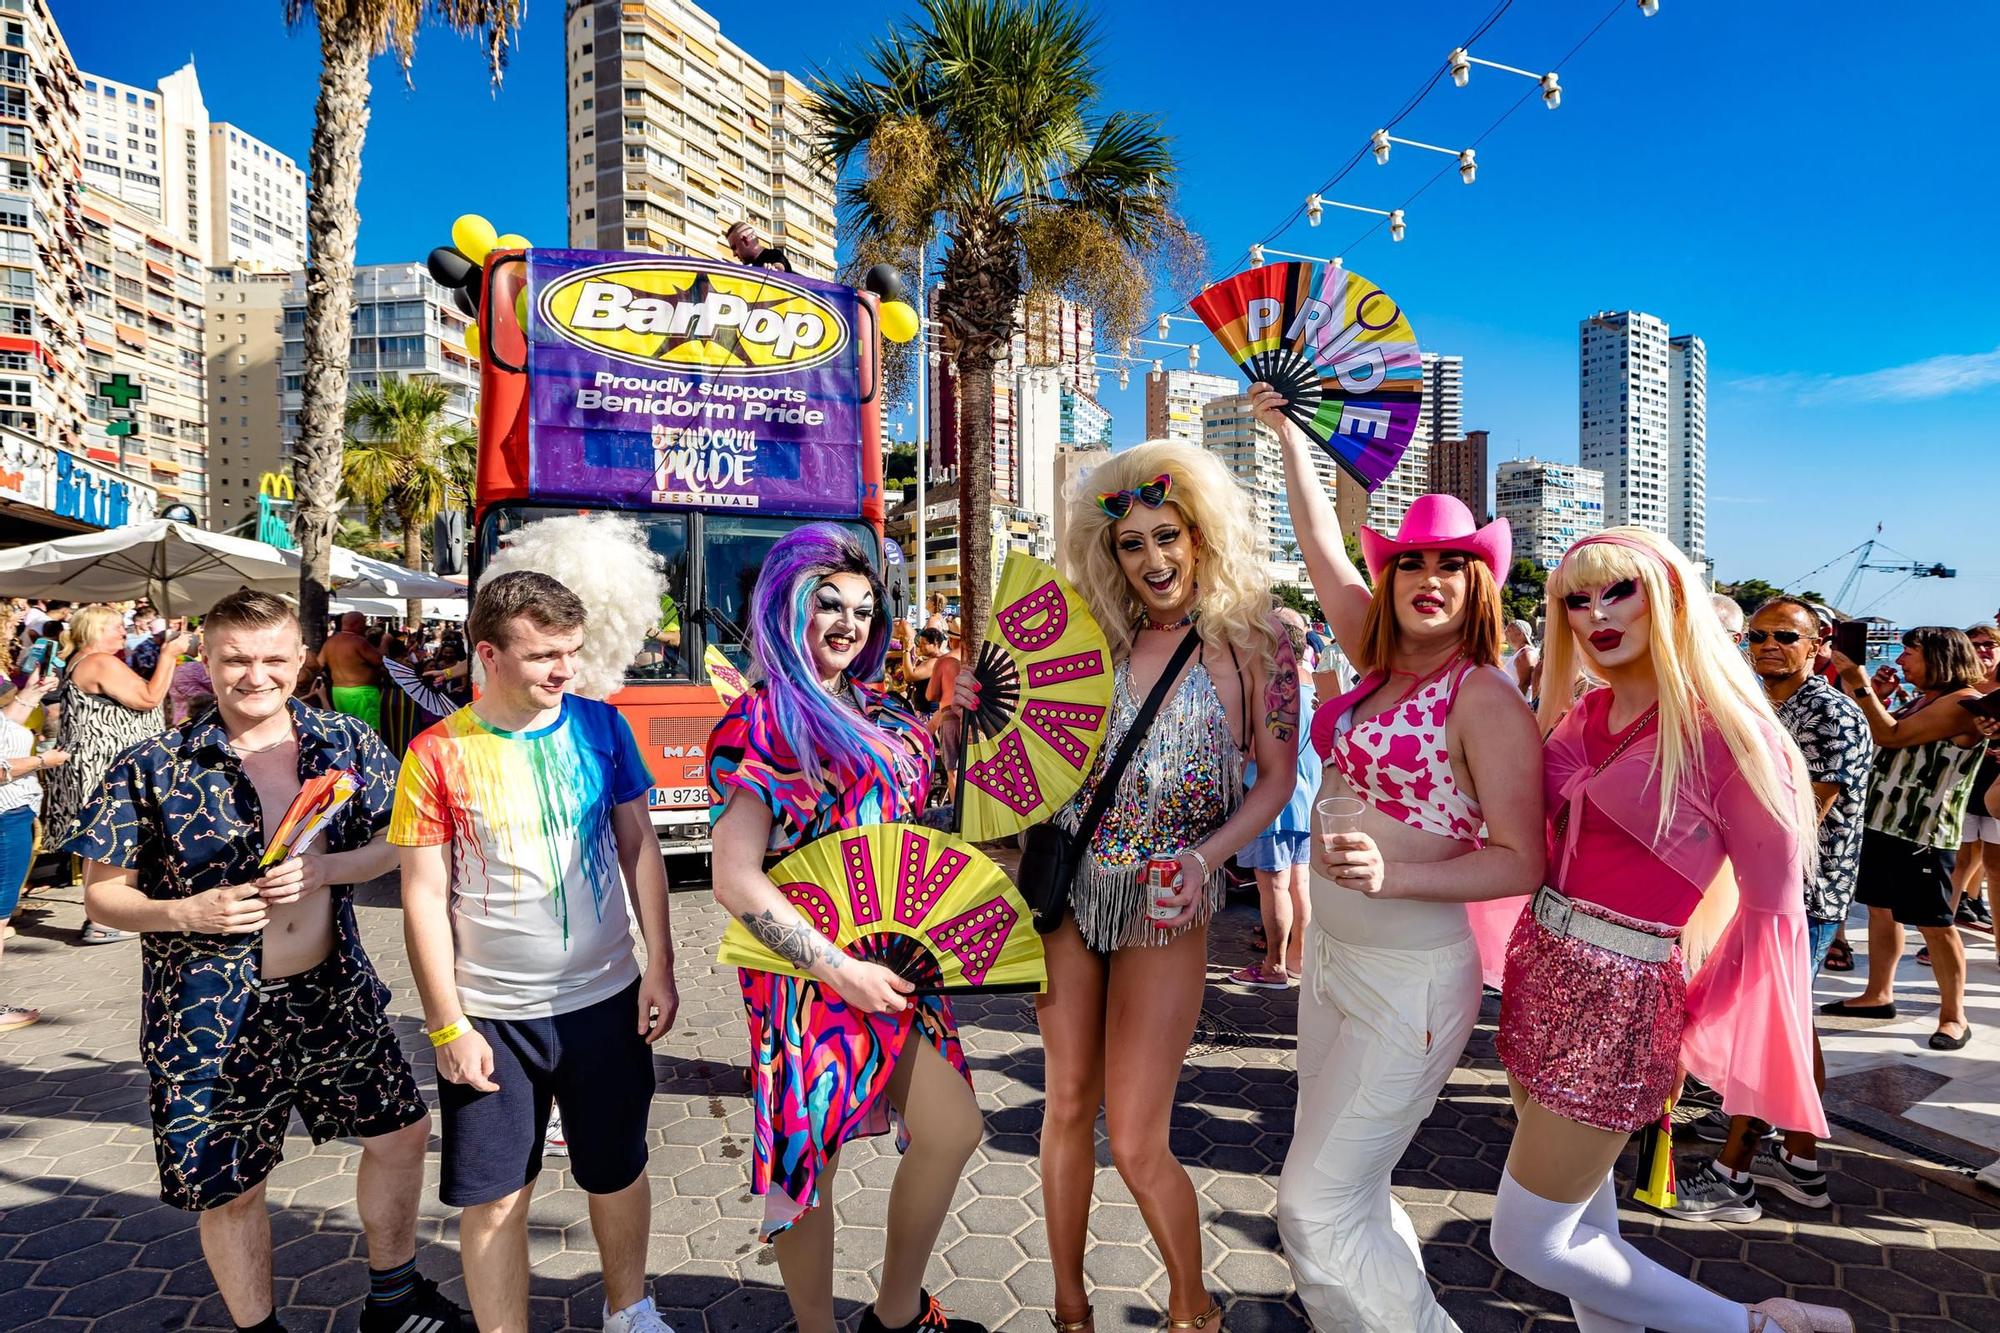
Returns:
(795, 942)
(1281, 695)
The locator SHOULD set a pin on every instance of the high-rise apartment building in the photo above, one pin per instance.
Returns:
(1623, 428)
(1049, 333)
(148, 148)
(142, 316)
(245, 353)
(42, 362)
(1550, 506)
(1174, 400)
(257, 203)
(1458, 467)
(405, 326)
(1687, 446)
(226, 194)
(1441, 417)
(1086, 423)
(675, 132)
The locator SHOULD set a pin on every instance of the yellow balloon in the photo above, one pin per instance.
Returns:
(472, 340)
(899, 321)
(513, 240)
(474, 237)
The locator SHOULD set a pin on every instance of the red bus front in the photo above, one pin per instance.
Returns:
(720, 406)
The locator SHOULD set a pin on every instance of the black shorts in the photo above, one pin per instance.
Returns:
(1909, 880)
(597, 1068)
(319, 1041)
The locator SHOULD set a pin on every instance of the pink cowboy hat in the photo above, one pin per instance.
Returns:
(1440, 523)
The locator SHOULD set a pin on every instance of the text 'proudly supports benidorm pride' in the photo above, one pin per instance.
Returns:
(689, 382)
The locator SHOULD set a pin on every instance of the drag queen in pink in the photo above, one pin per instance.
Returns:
(1650, 784)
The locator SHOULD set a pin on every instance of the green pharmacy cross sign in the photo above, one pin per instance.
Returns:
(120, 391)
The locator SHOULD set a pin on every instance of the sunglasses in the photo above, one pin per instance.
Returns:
(1117, 504)
(1788, 637)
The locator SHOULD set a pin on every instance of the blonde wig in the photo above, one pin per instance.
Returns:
(1702, 675)
(1230, 560)
(605, 560)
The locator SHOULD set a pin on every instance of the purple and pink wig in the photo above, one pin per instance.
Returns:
(829, 736)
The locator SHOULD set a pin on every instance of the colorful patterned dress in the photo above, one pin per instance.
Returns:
(818, 1068)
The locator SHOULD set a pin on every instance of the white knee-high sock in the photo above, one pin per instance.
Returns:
(1601, 1212)
(1552, 1245)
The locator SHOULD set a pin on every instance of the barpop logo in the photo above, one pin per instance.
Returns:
(723, 320)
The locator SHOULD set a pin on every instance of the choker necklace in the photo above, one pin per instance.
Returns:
(1182, 623)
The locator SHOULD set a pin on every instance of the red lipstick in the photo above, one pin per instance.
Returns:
(1605, 640)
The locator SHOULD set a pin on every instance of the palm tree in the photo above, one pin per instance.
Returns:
(977, 121)
(405, 458)
(351, 33)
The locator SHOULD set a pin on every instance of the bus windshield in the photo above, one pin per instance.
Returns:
(733, 551)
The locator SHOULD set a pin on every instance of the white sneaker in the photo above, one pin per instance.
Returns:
(638, 1317)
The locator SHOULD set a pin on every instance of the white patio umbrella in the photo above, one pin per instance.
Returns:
(357, 575)
(388, 608)
(181, 570)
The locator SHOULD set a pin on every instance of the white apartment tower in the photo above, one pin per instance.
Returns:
(1623, 428)
(675, 132)
(257, 203)
(1687, 446)
(1549, 506)
(1174, 399)
(1442, 417)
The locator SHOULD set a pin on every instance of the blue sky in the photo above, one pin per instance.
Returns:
(1809, 188)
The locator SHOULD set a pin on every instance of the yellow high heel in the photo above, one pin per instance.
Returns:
(1089, 1321)
(1212, 1315)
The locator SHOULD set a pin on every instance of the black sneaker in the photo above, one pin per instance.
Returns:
(1802, 1185)
(934, 1319)
(1707, 1195)
(424, 1310)
(1714, 1128)
(1974, 912)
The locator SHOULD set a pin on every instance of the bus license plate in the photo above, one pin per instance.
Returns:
(670, 797)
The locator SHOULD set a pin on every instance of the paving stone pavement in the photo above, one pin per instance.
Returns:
(85, 1244)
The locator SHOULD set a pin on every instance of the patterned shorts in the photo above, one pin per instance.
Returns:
(320, 1042)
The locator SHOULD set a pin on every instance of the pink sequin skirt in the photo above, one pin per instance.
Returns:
(1591, 1034)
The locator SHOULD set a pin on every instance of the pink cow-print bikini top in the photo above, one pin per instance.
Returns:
(1399, 760)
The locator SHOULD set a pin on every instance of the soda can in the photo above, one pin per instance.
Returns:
(1162, 880)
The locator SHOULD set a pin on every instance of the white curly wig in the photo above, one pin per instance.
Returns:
(605, 560)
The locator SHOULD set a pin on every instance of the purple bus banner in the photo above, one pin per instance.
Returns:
(691, 383)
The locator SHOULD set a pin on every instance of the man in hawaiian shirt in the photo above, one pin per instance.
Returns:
(1832, 732)
(257, 997)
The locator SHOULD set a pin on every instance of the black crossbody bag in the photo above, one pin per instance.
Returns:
(1050, 855)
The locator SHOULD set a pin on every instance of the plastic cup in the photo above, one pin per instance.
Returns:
(1337, 814)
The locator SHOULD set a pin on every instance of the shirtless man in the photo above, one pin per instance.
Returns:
(256, 995)
(353, 668)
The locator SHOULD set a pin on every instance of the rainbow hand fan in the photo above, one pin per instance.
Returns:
(1344, 358)
(310, 813)
(926, 904)
(1045, 682)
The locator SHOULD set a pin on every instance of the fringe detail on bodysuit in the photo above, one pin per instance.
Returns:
(1186, 780)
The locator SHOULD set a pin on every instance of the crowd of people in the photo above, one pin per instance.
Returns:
(1644, 825)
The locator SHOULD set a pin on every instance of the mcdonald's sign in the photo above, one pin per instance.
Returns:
(277, 485)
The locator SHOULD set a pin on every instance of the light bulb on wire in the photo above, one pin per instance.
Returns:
(1256, 256)
(1396, 224)
(1380, 142)
(1194, 356)
(1124, 377)
(1552, 93)
(1313, 210)
(1162, 326)
(1649, 7)
(1468, 167)
(1461, 68)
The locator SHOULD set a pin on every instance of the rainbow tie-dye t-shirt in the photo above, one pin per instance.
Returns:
(538, 906)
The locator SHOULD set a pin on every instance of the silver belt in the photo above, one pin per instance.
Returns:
(1559, 916)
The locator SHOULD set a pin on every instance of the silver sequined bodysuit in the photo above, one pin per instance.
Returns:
(1186, 779)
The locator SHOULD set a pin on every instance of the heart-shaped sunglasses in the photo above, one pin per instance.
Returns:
(1153, 494)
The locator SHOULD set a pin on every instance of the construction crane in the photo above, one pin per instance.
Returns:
(1864, 563)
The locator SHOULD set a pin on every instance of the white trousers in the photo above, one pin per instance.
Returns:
(1379, 1033)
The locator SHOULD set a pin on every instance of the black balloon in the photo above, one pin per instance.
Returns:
(448, 266)
(885, 282)
(466, 298)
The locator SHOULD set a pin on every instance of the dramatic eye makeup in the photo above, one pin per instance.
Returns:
(1612, 592)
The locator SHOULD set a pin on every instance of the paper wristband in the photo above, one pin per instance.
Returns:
(450, 1032)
